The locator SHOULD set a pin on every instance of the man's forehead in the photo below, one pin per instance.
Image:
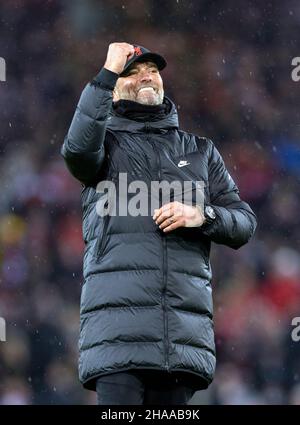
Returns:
(138, 65)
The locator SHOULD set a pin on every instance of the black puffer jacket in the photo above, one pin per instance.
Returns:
(146, 297)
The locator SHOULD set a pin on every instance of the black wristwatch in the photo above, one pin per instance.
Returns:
(209, 214)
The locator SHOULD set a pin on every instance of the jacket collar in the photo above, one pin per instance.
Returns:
(117, 122)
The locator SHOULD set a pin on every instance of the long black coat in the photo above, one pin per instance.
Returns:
(146, 298)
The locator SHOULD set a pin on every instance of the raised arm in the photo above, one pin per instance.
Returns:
(83, 147)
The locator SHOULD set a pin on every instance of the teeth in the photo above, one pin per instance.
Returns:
(147, 88)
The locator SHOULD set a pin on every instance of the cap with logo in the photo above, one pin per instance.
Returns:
(141, 54)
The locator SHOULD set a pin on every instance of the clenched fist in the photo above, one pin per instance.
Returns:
(117, 56)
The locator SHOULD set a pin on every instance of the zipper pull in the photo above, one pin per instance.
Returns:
(147, 127)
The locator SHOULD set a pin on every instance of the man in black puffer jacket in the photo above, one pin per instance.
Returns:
(146, 303)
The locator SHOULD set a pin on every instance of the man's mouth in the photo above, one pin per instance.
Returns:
(146, 89)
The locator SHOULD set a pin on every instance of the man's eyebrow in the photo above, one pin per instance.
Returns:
(135, 67)
(149, 64)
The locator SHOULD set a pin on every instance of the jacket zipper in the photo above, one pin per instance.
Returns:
(164, 242)
(157, 156)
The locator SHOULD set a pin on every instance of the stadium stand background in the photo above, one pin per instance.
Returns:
(229, 73)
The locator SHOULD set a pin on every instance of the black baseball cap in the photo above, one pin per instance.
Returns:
(141, 54)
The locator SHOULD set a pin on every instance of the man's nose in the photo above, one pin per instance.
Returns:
(146, 76)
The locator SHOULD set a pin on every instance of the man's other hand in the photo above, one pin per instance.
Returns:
(175, 214)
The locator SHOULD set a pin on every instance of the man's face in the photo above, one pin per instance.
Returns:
(142, 83)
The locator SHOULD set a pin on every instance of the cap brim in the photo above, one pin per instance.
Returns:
(159, 61)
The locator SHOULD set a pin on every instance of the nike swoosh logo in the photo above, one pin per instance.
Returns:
(182, 163)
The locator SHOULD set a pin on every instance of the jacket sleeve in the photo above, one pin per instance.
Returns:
(83, 147)
(235, 221)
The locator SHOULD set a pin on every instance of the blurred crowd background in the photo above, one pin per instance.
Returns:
(229, 73)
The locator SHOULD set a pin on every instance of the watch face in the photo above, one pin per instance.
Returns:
(210, 212)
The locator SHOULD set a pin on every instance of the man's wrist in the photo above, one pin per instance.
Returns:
(106, 78)
(209, 214)
(200, 209)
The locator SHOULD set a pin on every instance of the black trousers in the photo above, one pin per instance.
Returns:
(143, 387)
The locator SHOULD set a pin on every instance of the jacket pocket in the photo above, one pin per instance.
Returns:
(198, 186)
(187, 173)
(101, 238)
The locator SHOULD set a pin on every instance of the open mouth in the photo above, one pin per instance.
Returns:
(145, 89)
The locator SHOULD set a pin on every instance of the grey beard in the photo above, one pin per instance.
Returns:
(157, 100)
(147, 101)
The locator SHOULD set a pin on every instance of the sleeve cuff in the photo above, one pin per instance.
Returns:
(209, 228)
(106, 78)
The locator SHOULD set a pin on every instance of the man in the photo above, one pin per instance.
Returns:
(146, 331)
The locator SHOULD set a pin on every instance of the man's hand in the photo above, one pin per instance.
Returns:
(117, 56)
(175, 214)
